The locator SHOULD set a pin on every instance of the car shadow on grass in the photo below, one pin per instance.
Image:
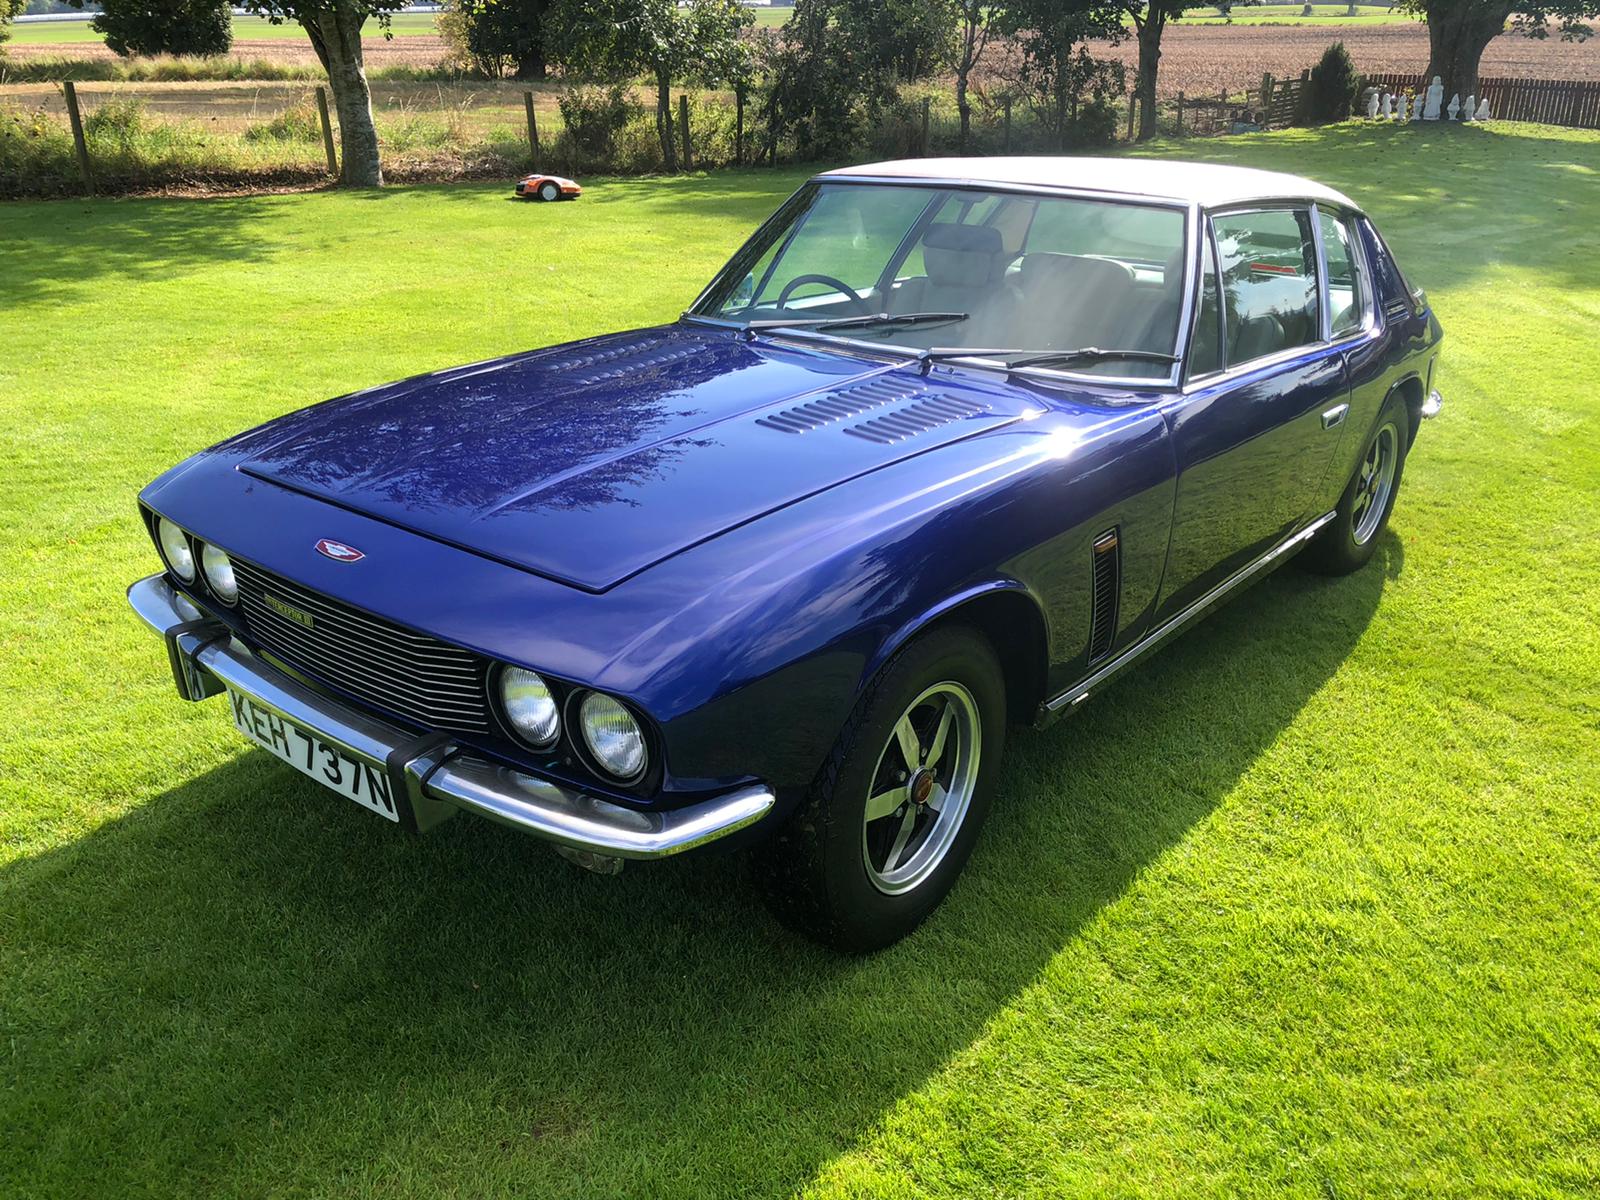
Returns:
(266, 989)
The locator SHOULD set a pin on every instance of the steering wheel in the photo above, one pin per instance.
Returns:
(837, 285)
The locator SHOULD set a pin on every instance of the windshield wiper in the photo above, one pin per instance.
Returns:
(863, 322)
(1087, 354)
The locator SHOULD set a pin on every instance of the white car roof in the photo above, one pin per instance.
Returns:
(1209, 184)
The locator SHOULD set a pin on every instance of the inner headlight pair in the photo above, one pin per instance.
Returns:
(610, 733)
(218, 567)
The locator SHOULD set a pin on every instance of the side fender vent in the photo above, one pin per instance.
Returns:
(1107, 585)
(920, 417)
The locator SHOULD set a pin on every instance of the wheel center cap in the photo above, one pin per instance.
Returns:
(921, 786)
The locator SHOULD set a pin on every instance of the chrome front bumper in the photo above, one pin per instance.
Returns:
(433, 778)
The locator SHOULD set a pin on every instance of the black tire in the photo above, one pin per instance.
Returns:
(549, 192)
(1348, 541)
(815, 872)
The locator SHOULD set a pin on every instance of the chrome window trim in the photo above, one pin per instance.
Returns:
(1358, 255)
(1230, 371)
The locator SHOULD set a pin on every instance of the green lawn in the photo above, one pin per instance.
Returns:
(1305, 906)
(64, 33)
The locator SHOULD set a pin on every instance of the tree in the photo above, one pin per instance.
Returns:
(1330, 93)
(201, 27)
(1056, 69)
(1459, 30)
(622, 38)
(975, 21)
(334, 27)
(906, 39)
(1149, 23)
(500, 34)
(822, 85)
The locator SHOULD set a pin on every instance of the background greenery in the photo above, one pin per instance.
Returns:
(1305, 906)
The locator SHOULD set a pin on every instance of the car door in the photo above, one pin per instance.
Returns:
(1264, 400)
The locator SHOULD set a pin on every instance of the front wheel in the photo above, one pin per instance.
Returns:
(892, 817)
(549, 192)
(1348, 541)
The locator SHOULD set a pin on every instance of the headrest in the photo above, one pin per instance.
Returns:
(1061, 271)
(962, 255)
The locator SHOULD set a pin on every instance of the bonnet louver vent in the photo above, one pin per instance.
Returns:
(622, 360)
(1107, 587)
(916, 418)
(840, 406)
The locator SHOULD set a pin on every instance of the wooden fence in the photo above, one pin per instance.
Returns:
(1574, 102)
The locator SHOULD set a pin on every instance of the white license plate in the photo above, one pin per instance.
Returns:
(303, 750)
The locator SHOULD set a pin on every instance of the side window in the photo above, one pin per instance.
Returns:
(1347, 289)
(1205, 349)
(1268, 269)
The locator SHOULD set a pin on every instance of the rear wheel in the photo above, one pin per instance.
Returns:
(549, 191)
(1347, 542)
(890, 820)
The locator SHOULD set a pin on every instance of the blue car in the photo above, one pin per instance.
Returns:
(947, 445)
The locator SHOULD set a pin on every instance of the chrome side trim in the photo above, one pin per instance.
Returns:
(437, 777)
(1084, 688)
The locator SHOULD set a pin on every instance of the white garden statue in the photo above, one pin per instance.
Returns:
(1416, 108)
(1372, 105)
(1483, 109)
(1435, 95)
(1388, 107)
(1453, 109)
(1400, 111)
(1470, 107)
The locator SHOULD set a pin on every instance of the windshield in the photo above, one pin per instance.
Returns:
(963, 267)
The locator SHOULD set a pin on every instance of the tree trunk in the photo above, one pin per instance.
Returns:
(669, 150)
(1457, 36)
(532, 66)
(1149, 62)
(336, 37)
(963, 105)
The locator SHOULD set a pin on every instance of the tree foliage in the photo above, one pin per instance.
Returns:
(199, 27)
(623, 38)
(8, 10)
(499, 37)
(822, 84)
(1057, 74)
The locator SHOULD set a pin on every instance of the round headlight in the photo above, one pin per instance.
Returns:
(530, 707)
(219, 573)
(175, 549)
(613, 736)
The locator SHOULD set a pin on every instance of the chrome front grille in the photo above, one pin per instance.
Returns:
(406, 673)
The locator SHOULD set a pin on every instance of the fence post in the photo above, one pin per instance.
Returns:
(1180, 114)
(683, 124)
(1266, 90)
(533, 127)
(327, 130)
(78, 144)
(1007, 104)
(1132, 104)
(927, 105)
(738, 128)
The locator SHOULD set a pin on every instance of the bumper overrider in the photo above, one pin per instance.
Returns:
(429, 777)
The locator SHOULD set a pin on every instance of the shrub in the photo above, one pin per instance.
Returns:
(593, 117)
(200, 27)
(299, 123)
(1330, 94)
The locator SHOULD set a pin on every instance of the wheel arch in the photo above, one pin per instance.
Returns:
(1013, 621)
(1410, 391)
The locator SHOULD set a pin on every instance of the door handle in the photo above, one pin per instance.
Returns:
(1334, 416)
